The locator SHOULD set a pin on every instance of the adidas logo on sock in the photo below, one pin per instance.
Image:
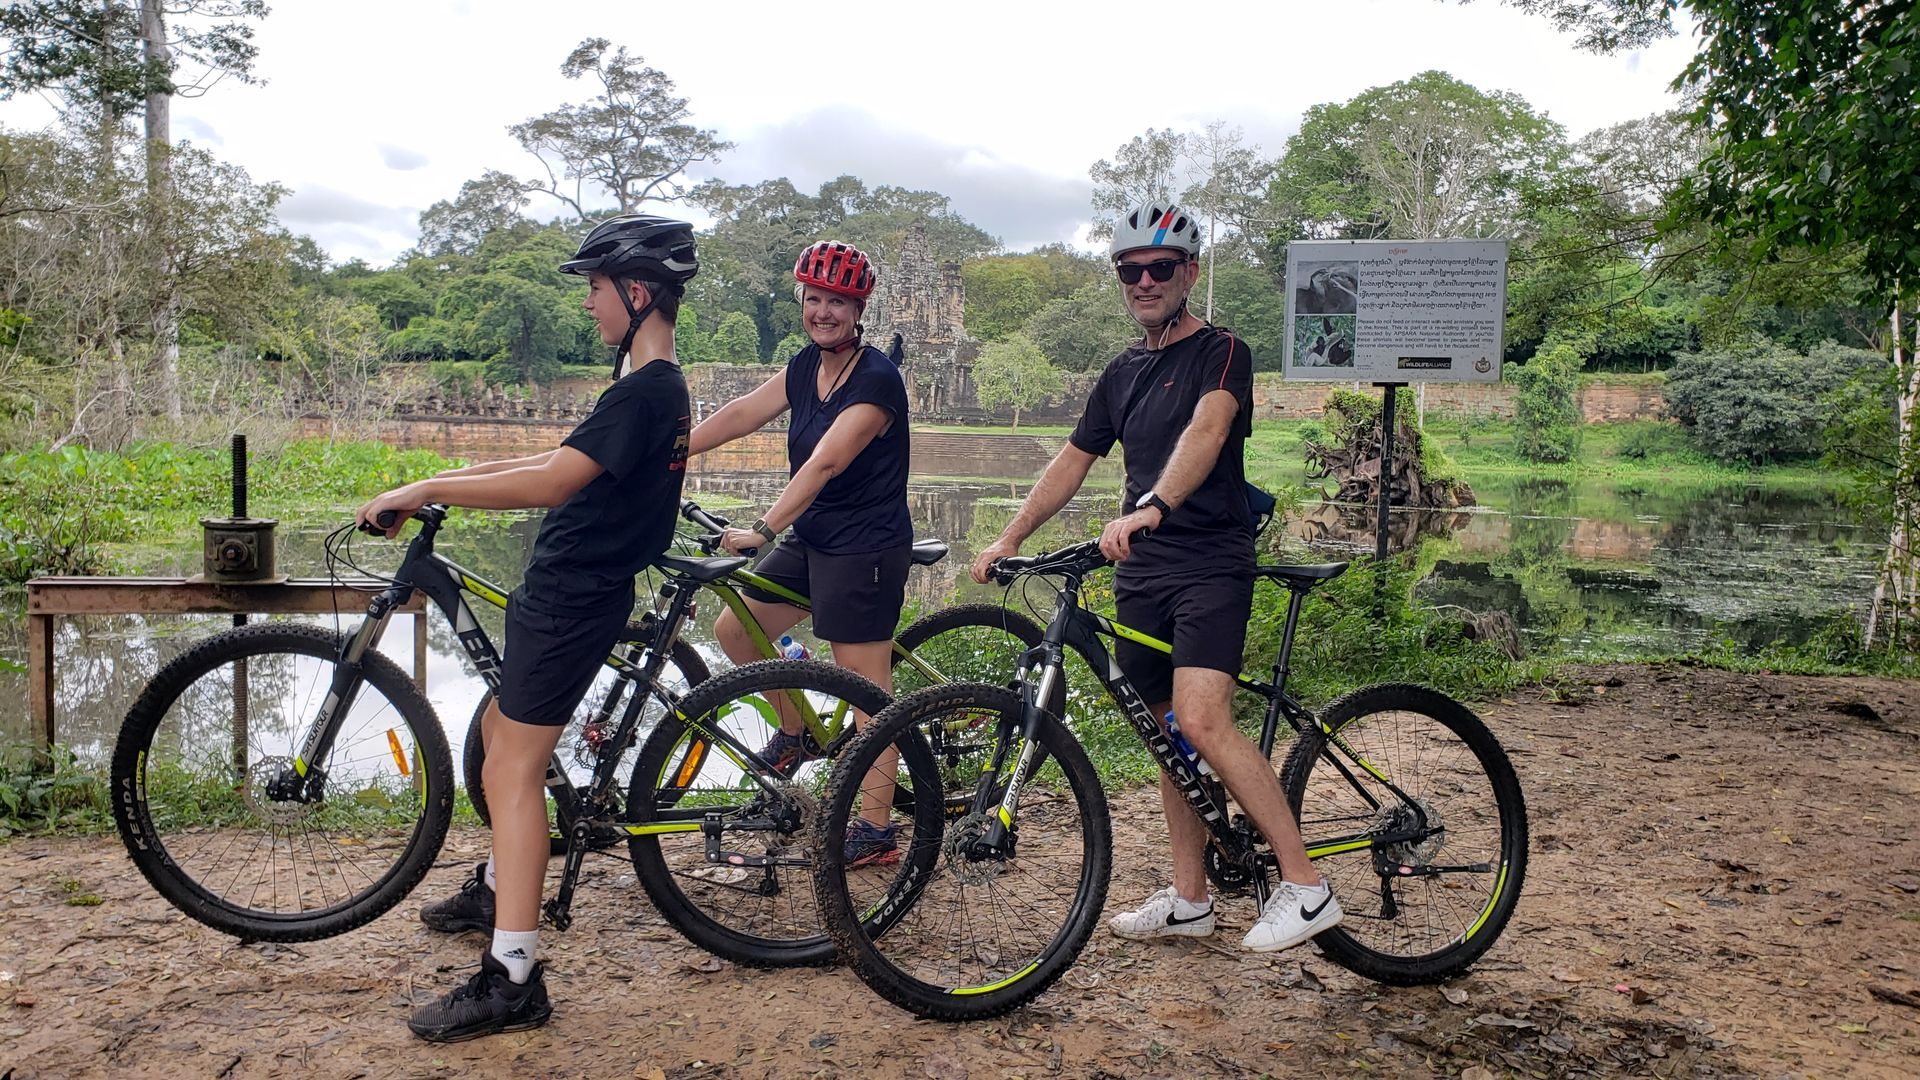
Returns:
(515, 954)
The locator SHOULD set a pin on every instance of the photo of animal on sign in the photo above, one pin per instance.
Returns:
(1323, 340)
(1327, 288)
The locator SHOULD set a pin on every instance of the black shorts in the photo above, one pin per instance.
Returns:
(856, 598)
(550, 660)
(1205, 618)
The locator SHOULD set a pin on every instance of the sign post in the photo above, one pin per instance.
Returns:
(1395, 312)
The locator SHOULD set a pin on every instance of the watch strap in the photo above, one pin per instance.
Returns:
(1154, 500)
(760, 526)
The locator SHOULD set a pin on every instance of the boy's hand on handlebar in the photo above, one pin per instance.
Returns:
(982, 570)
(398, 505)
(1116, 540)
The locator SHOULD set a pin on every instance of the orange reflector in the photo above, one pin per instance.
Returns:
(690, 765)
(399, 756)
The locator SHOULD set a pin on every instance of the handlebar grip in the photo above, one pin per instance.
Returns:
(381, 523)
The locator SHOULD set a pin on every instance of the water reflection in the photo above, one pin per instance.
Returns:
(1602, 569)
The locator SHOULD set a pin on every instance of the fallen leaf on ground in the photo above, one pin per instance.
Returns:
(1454, 994)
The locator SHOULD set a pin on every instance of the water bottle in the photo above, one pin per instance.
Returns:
(1185, 748)
(792, 649)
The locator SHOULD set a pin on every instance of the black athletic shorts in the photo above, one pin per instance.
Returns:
(550, 660)
(856, 598)
(1205, 618)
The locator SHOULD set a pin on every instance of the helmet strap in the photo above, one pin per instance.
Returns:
(635, 319)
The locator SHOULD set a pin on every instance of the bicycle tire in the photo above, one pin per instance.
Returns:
(183, 848)
(969, 643)
(713, 909)
(1464, 917)
(877, 924)
(683, 658)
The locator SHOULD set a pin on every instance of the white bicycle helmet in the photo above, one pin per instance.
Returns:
(1156, 224)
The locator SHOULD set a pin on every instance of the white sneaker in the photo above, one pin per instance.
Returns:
(1293, 914)
(1165, 914)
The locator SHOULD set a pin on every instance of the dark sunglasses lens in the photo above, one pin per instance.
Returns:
(1161, 271)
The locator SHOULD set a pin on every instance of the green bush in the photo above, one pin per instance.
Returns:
(1760, 402)
(1546, 412)
(39, 794)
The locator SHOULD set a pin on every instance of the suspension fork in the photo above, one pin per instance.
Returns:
(308, 781)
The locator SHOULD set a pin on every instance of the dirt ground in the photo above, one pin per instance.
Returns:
(1725, 882)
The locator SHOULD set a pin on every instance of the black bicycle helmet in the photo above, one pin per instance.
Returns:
(658, 251)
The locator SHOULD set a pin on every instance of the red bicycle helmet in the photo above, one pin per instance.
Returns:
(835, 267)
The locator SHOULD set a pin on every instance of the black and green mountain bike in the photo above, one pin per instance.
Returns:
(1405, 800)
(284, 782)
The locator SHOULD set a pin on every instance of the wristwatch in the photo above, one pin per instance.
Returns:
(1155, 501)
(760, 526)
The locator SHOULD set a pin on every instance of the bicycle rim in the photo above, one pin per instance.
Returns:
(1411, 924)
(691, 769)
(197, 766)
(942, 933)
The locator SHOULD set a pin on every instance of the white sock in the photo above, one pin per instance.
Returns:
(1184, 908)
(490, 883)
(514, 948)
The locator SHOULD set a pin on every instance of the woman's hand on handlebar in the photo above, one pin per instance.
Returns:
(1116, 540)
(390, 510)
(741, 541)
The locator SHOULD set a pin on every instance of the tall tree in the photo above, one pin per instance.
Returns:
(1147, 167)
(1014, 374)
(456, 227)
(1229, 188)
(1426, 157)
(633, 141)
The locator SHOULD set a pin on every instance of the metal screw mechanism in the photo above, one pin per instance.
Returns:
(239, 475)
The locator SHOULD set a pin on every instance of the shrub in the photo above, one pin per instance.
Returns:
(1546, 412)
(1760, 402)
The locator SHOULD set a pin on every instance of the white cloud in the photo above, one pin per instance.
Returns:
(401, 158)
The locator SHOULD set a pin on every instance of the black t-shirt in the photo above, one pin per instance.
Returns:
(591, 546)
(865, 507)
(1144, 400)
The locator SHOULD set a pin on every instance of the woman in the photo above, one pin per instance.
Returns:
(849, 537)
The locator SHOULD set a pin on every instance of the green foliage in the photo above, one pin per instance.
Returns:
(40, 795)
(737, 341)
(1250, 302)
(1423, 157)
(788, 347)
(1546, 411)
(1083, 331)
(1014, 374)
(512, 323)
(1759, 402)
(1812, 104)
(62, 512)
(1005, 291)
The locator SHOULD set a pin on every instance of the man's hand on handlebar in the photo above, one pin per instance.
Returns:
(982, 570)
(1116, 540)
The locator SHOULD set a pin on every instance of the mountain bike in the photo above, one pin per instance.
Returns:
(1405, 800)
(284, 782)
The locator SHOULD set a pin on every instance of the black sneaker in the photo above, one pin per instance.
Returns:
(488, 1004)
(469, 909)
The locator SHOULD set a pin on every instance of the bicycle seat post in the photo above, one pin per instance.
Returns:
(1283, 663)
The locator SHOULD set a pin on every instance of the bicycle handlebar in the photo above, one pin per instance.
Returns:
(433, 513)
(713, 523)
(1080, 558)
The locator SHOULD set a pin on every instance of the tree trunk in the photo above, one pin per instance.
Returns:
(166, 309)
(1016, 418)
(1897, 571)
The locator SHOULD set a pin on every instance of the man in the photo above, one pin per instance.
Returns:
(614, 488)
(1180, 401)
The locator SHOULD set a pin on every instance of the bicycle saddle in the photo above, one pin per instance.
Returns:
(1303, 576)
(929, 551)
(700, 570)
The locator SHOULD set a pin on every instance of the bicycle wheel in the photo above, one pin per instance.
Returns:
(1451, 888)
(965, 643)
(943, 934)
(600, 711)
(689, 770)
(220, 727)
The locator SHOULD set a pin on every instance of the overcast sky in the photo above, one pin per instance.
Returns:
(374, 110)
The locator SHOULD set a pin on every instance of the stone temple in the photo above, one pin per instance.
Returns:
(924, 301)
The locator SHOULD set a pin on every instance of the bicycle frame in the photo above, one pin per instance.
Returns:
(1073, 627)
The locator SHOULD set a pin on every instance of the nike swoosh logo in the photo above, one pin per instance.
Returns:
(1174, 920)
(1315, 913)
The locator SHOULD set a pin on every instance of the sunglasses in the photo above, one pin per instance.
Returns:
(1161, 270)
